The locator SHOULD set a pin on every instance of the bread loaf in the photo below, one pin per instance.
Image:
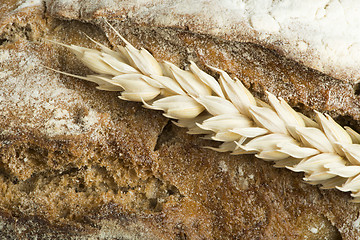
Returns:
(79, 163)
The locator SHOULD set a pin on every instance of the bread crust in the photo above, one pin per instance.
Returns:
(99, 167)
(322, 35)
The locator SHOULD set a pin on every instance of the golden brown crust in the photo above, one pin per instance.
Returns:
(109, 168)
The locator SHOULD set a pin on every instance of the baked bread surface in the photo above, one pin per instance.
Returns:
(77, 162)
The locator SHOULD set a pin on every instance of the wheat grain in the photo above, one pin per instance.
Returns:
(226, 111)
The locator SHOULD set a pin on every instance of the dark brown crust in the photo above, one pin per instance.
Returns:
(146, 178)
(261, 70)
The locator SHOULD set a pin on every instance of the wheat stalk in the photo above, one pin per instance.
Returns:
(226, 111)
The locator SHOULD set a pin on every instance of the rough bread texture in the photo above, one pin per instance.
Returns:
(79, 163)
(323, 35)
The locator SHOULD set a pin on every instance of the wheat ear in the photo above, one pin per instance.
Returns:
(226, 111)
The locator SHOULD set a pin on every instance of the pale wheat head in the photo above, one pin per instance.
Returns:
(224, 110)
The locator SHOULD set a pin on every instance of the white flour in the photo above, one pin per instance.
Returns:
(38, 98)
(321, 34)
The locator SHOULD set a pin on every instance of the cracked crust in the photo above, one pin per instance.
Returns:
(79, 163)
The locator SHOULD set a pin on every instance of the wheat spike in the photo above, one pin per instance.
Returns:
(226, 111)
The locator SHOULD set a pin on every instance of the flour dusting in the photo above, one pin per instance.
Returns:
(30, 3)
(38, 98)
(323, 34)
